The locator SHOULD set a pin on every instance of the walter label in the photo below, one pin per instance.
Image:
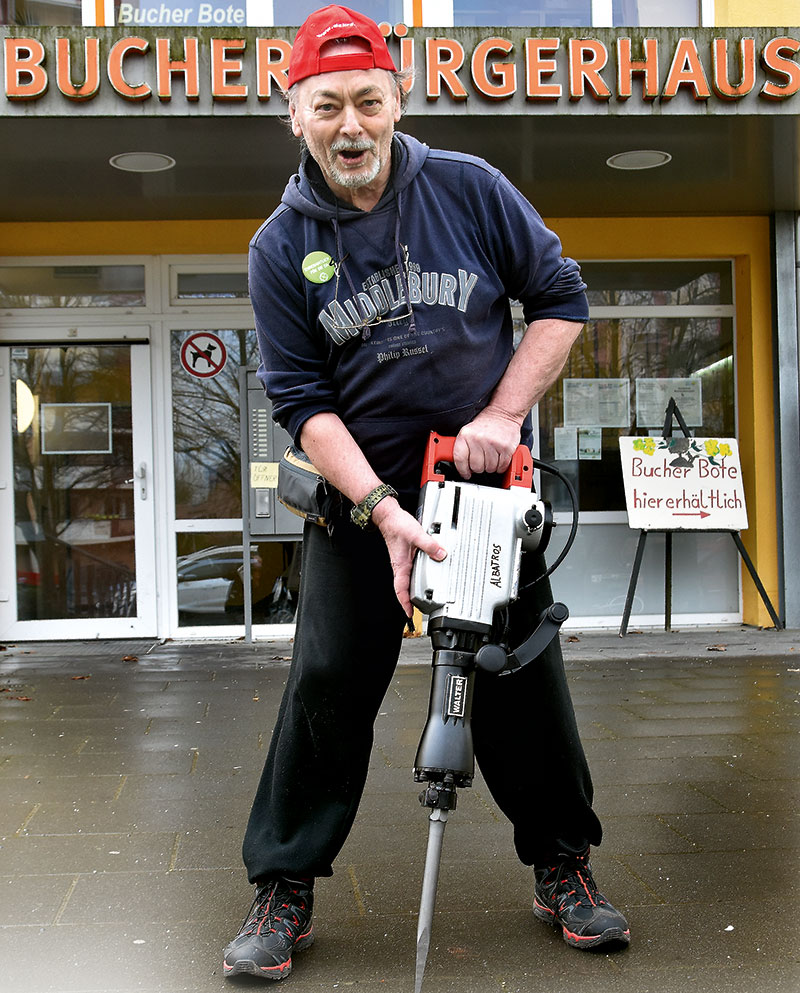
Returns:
(456, 697)
(683, 484)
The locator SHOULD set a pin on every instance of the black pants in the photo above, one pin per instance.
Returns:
(347, 641)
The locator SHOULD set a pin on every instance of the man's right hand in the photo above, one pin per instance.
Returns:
(403, 536)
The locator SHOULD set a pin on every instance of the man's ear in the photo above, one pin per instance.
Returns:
(398, 106)
(297, 131)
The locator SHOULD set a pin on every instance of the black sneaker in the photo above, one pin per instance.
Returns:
(278, 923)
(566, 896)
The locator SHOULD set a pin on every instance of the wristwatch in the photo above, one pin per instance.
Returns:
(361, 514)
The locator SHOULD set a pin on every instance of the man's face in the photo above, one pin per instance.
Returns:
(347, 120)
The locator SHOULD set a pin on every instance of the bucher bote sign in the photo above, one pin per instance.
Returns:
(683, 484)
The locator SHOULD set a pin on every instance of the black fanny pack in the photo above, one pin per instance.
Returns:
(303, 490)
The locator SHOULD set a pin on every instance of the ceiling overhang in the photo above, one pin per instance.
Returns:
(548, 107)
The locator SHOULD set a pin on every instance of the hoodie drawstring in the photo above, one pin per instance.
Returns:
(401, 252)
(402, 256)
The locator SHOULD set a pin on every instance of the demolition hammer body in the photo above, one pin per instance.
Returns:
(485, 530)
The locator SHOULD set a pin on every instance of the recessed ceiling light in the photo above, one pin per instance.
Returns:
(142, 161)
(640, 159)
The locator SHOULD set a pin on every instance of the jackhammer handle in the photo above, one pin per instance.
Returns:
(440, 449)
(550, 621)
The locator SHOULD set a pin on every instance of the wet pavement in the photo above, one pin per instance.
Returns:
(127, 771)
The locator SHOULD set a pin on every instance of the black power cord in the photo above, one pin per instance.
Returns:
(551, 470)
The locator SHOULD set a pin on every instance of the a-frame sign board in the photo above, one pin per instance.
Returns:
(696, 480)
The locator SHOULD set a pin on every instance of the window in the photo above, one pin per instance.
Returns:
(294, 12)
(651, 322)
(73, 498)
(656, 13)
(210, 573)
(202, 285)
(544, 13)
(40, 12)
(37, 286)
(205, 420)
(656, 329)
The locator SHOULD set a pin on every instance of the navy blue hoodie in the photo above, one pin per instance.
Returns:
(451, 236)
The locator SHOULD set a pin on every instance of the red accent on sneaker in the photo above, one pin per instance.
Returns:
(280, 967)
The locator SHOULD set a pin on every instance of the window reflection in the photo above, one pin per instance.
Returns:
(656, 13)
(658, 284)
(73, 469)
(211, 580)
(40, 12)
(212, 286)
(294, 12)
(639, 348)
(27, 287)
(205, 423)
(545, 13)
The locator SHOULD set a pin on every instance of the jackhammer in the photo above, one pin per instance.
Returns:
(485, 530)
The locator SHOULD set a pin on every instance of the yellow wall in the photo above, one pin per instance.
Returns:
(127, 237)
(745, 239)
(755, 13)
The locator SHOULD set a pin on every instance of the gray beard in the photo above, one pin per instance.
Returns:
(353, 182)
(347, 179)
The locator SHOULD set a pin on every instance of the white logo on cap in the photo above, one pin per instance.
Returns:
(341, 24)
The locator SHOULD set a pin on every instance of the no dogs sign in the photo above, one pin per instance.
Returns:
(683, 484)
(203, 354)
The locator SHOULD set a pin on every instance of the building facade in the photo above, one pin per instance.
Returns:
(144, 143)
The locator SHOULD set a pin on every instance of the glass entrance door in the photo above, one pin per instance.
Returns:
(80, 451)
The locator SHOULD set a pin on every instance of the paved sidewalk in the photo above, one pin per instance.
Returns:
(127, 770)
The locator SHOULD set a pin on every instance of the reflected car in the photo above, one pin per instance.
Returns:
(210, 581)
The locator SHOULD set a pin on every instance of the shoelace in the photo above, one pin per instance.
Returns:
(577, 875)
(265, 912)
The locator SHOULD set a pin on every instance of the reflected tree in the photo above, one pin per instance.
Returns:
(206, 430)
(61, 494)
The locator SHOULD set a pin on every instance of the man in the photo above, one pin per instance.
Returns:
(380, 287)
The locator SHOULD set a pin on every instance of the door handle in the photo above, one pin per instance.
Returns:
(141, 474)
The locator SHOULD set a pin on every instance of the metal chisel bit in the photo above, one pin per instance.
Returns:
(430, 879)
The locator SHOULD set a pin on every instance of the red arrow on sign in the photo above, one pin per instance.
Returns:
(692, 513)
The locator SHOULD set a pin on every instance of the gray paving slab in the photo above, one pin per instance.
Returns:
(125, 796)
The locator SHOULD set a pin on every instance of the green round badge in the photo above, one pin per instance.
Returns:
(318, 267)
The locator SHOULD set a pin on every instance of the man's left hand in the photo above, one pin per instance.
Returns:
(486, 444)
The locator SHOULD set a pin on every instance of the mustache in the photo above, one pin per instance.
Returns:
(345, 145)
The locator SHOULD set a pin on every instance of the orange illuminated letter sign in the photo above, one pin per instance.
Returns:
(686, 70)
(406, 54)
(444, 58)
(222, 67)
(587, 57)
(536, 66)
(786, 68)
(747, 63)
(25, 77)
(166, 66)
(271, 70)
(627, 66)
(131, 91)
(91, 76)
(506, 72)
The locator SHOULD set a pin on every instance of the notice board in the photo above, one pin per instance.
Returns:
(683, 484)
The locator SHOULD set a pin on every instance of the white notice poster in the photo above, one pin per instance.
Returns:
(598, 403)
(565, 444)
(653, 395)
(683, 484)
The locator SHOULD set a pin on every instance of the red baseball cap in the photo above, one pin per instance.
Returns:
(328, 24)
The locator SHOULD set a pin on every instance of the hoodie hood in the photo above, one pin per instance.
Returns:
(408, 157)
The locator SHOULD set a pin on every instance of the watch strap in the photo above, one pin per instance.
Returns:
(361, 514)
